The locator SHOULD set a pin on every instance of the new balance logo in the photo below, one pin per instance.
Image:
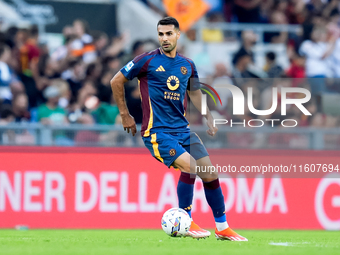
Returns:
(160, 69)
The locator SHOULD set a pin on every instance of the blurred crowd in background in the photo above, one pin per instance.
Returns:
(71, 84)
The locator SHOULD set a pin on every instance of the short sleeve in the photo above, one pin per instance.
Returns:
(131, 70)
(134, 67)
(194, 83)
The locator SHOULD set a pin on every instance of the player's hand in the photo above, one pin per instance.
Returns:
(212, 130)
(129, 124)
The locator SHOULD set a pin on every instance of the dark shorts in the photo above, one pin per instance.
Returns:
(168, 146)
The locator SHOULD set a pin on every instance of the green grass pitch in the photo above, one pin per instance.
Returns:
(149, 242)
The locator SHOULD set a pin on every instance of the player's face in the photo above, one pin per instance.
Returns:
(168, 36)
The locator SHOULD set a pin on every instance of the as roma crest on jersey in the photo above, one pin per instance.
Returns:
(172, 152)
(184, 70)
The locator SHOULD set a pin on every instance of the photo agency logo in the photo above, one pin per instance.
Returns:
(239, 105)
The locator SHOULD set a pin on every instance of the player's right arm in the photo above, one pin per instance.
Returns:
(117, 85)
(128, 72)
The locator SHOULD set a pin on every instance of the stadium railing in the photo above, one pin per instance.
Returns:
(114, 136)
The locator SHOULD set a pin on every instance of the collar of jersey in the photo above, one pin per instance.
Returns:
(162, 53)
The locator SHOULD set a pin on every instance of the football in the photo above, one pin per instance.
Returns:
(176, 222)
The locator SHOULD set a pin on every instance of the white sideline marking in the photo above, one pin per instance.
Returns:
(290, 244)
(282, 244)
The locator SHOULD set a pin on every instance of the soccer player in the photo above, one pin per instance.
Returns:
(164, 79)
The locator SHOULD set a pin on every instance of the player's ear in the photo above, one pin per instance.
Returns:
(178, 34)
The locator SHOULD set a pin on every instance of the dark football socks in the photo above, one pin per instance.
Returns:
(185, 191)
(215, 199)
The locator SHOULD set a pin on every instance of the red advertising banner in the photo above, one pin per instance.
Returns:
(127, 188)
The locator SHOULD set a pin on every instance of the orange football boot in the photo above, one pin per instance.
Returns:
(229, 234)
(196, 232)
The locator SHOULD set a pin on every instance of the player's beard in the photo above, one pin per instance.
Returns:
(169, 49)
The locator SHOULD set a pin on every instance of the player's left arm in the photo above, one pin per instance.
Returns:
(196, 99)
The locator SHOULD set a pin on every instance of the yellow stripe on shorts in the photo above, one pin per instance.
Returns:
(147, 131)
(155, 147)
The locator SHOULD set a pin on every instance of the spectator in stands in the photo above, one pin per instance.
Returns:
(315, 6)
(332, 7)
(61, 54)
(279, 6)
(272, 68)
(297, 67)
(312, 20)
(101, 42)
(74, 75)
(68, 31)
(104, 91)
(335, 56)
(112, 63)
(50, 113)
(137, 48)
(93, 72)
(240, 71)
(65, 93)
(83, 46)
(88, 90)
(103, 113)
(7, 75)
(6, 115)
(249, 39)
(296, 12)
(47, 67)
(317, 50)
(117, 45)
(278, 18)
(221, 77)
(151, 44)
(20, 108)
(27, 42)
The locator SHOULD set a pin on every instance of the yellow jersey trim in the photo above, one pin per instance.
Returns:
(155, 147)
(147, 131)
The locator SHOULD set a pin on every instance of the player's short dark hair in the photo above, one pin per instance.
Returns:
(169, 21)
